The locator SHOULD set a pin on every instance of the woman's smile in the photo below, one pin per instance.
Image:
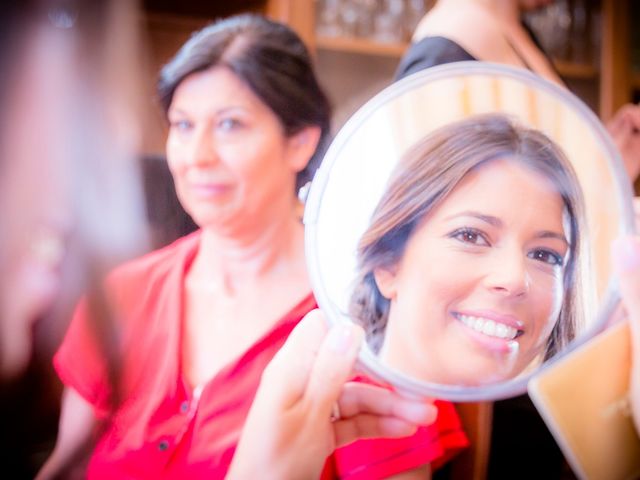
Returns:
(495, 334)
(498, 328)
(490, 316)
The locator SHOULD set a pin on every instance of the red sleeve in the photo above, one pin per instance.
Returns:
(78, 361)
(379, 458)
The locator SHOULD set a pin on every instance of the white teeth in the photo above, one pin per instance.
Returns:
(479, 323)
(501, 330)
(489, 327)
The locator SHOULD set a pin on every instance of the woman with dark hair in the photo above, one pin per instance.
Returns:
(475, 249)
(271, 60)
(199, 320)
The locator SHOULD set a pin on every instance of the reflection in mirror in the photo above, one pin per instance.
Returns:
(464, 217)
(468, 272)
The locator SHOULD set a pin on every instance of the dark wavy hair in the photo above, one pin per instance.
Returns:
(272, 60)
(423, 179)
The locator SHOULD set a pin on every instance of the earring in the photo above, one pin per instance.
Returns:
(303, 193)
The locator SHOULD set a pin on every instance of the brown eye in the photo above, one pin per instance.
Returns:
(546, 256)
(471, 236)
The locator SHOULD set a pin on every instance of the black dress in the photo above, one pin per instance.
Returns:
(430, 52)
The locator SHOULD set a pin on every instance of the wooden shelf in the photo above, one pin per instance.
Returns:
(579, 71)
(362, 46)
(370, 47)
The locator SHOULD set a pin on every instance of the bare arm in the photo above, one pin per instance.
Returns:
(77, 421)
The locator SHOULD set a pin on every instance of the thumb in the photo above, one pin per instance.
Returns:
(286, 377)
(333, 366)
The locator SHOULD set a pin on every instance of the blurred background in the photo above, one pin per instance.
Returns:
(358, 44)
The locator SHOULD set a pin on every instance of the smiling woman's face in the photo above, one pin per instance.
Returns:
(480, 286)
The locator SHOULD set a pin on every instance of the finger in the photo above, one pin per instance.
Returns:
(626, 256)
(625, 123)
(614, 125)
(287, 375)
(632, 114)
(634, 121)
(333, 366)
(371, 426)
(630, 127)
(359, 398)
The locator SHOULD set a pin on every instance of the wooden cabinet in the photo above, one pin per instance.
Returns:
(615, 63)
(605, 85)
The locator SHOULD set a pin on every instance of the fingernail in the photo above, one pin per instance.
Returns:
(626, 254)
(341, 338)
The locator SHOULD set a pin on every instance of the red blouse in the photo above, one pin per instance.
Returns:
(162, 429)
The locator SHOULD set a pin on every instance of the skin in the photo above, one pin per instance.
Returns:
(624, 128)
(477, 255)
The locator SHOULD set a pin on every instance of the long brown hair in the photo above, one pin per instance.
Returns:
(424, 177)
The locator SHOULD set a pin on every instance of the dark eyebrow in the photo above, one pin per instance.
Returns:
(496, 222)
(223, 110)
(550, 234)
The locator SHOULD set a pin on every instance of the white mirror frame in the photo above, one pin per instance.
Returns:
(368, 363)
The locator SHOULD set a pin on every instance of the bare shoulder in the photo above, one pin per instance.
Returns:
(476, 32)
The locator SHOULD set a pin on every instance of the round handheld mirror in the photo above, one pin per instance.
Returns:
(463, 217)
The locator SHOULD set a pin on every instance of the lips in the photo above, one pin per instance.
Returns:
(209, 189)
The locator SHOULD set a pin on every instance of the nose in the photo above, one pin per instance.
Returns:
(202, 151)
(507, 274)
